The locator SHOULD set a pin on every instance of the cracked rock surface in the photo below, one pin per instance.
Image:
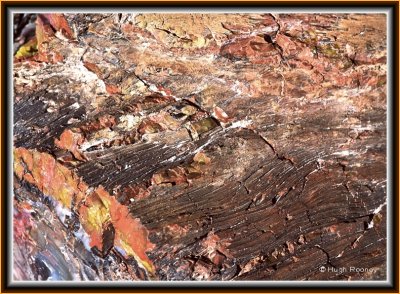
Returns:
(200, 147)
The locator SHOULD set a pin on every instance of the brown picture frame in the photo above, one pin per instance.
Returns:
(6, 154)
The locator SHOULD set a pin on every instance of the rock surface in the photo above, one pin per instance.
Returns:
(200, 147)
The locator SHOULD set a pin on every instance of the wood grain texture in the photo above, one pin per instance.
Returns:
(245, 146)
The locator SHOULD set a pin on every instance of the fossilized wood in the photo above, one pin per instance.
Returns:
(245, 147)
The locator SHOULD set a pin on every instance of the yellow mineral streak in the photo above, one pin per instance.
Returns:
(95, 210)
(52, 178)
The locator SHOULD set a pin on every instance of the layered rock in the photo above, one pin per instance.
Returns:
(201, 147)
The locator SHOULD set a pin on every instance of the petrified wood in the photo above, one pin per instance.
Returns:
(200, 147)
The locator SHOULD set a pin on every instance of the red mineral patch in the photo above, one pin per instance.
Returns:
(254, 49)
(99, 209)
(52, 178)
(220, 114)
(95, 212)
(71, 141)
(135, 192)
(214, 247)
(113, 89)
(130, 234)
(44, 34)
(59, 23)
(93, 67)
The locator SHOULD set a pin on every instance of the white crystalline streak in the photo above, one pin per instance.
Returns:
(172, 158)
(240, 124)
(62, 212)
(84, 237)
(379, 208)
(236, 88)
(75, 105)
(344, 153)
(375, 211)
(203, 146)
(74, 69)
(87, 144)
(88, 76)
(153, 88)
(235, 125)
(128, 121)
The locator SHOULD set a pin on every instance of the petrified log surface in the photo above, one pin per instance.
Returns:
(200, 147)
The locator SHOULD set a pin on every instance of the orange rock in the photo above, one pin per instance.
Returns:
(113, 89)
(93, 67)
(288, 46)
(59, 23)
(201, 158)
(131, 237)
(220, 114)
(52, 178)
(136, 192)
(96, 211)
(93, 214)
(107, 121)
(44, 35)
(71, 141)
